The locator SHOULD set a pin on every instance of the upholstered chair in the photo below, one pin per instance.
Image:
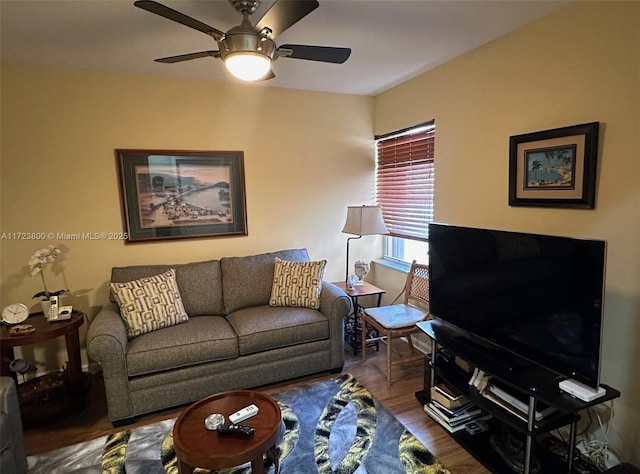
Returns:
(13, 457)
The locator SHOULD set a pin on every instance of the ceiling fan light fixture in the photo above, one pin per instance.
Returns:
(248, 49)
(248, 66)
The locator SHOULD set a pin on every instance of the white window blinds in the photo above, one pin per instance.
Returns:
(405, 180)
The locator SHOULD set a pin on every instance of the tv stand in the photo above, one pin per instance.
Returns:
(512, 450)
(537, 386)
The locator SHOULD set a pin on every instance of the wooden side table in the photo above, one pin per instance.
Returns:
(353, 321)
(196, 446)
(51, 393)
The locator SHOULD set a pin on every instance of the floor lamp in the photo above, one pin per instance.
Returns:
(362, 220)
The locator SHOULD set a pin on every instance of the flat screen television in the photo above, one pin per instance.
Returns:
(539, 297)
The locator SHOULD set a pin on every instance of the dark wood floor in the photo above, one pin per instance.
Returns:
(92, 422)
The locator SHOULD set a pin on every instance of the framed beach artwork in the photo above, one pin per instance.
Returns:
(554, 168)
(182, 194)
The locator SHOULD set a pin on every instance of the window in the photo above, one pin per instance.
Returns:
(405, 189)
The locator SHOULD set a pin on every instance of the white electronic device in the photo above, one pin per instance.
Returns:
(581, 391)
(53, 309)
(59, 313)
(243, 414)
(65, 312)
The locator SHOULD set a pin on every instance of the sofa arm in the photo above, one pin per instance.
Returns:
(107, 344)
(13, 456)
(335, 304)
(107, 335)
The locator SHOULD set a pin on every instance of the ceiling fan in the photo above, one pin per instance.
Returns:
(248, 50)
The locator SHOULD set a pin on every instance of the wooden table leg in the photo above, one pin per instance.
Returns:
(184, 468)
(257, 466)
(72, 339)
(273, 452)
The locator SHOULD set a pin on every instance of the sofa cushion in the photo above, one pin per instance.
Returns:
(263, 328)
(297, 283)
(247, 281)
(199, 340)
(200, 283)
(149, 303)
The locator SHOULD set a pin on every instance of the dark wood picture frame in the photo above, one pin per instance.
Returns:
(554, 168)
(169, 194)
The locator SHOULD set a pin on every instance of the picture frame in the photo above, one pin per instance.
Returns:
(554, 168)
(169, 194)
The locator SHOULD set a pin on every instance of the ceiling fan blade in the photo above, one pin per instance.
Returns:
(284, 14)
(269, 75)
(187, 57)
(325, 54)
(171, 14)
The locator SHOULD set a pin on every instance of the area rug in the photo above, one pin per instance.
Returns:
(332, 426)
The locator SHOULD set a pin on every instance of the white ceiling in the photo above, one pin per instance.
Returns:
(391, 40)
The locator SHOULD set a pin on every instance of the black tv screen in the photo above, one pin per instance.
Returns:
(537, 296)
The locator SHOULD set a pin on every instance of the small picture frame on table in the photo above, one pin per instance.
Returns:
(554, 168)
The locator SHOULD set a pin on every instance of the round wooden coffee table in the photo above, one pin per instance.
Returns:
(196, 446)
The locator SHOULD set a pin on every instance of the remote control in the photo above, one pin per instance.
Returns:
(242, 431)
(243, 414)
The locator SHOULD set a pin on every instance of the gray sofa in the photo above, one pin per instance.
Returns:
(233, 339)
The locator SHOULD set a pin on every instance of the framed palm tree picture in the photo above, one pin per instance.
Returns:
(554, 168)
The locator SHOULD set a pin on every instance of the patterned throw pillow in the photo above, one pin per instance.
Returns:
(297, 283)
(149, 303)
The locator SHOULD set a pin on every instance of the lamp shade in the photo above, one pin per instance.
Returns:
(364, 220)
(248, 66)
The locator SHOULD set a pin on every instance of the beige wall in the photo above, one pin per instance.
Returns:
(307, 156)
(579, 65)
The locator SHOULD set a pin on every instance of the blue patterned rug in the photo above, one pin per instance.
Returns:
(333, 426)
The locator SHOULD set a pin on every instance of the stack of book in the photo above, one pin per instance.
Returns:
(451, 409)
(516, 405)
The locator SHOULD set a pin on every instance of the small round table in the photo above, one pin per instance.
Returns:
(196, 446)
(51, 393)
